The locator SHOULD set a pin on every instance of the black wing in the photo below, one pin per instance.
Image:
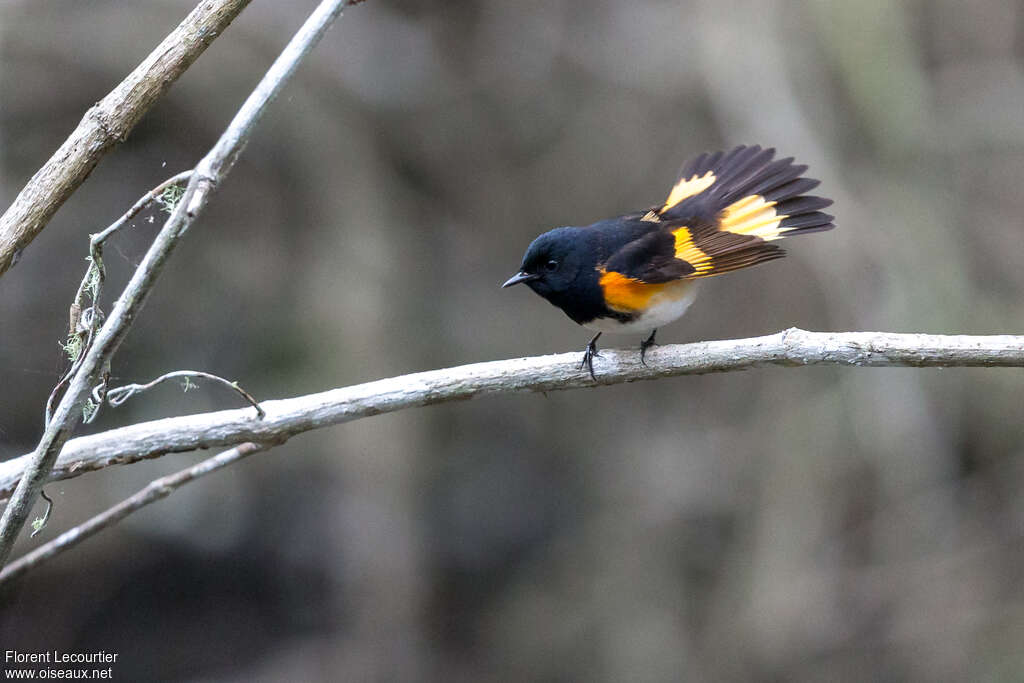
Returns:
(720, 216)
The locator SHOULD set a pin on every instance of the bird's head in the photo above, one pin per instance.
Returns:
(551, 262)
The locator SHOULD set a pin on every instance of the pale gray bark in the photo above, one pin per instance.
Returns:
(157, 489)
(287, 417)
(209, 172)
(107, 123)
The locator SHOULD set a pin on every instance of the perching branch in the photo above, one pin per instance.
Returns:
(209, 172)
(157, 489)
(285, 418)
(107, 123)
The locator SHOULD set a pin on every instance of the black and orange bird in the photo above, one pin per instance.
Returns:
(638, 272)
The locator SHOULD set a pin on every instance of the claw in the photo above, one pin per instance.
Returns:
(588, 356)
(646, 344)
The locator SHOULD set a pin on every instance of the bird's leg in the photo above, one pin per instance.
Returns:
(646, 344)
(588, 356)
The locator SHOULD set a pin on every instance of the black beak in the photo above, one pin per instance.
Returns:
(520, 277)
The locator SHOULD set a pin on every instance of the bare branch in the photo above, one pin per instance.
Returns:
(157, 489)
(153, 195)
(209, 172)
(119, 395)
(107, 123)
(288, 417)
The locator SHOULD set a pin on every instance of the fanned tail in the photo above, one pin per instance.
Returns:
(749, 194)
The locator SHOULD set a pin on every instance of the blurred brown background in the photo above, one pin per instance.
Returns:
(778, 524)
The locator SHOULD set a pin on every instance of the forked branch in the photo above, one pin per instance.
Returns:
(202, 183)
(107, 123)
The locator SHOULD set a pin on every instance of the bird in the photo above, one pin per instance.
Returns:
(638, 272)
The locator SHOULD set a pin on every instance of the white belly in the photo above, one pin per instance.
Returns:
(663, 309)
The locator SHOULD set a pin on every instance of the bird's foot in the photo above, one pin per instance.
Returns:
(646, 344)
(588, 356)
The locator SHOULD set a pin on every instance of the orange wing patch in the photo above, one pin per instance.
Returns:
(688, 187)
(752, 215)
(687, 250)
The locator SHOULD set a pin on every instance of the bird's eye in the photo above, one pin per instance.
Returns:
(551, 266)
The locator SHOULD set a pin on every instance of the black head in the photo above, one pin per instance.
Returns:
(551, 261)
(560, 265)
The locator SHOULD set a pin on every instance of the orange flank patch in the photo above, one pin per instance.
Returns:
(688, 187)
(629, 295)
(687, 250)
(752, 215)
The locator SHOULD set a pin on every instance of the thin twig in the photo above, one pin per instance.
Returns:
(84, 320)
(154, 491)
(119, 395)
(208, 174)
(291, 416)
(107, 123)
(99, 238)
